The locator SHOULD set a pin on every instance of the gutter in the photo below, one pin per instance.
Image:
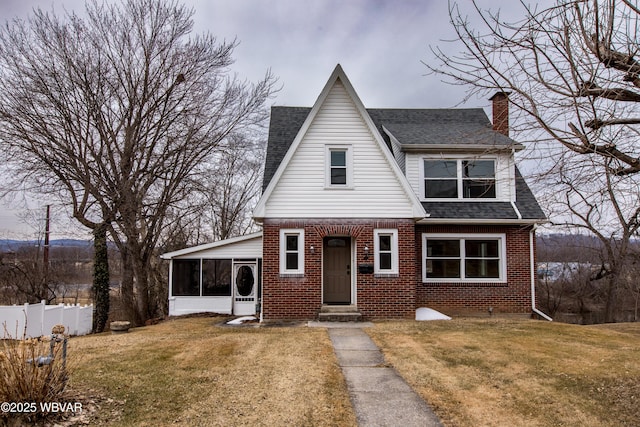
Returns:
(458, 221)
(533, 277)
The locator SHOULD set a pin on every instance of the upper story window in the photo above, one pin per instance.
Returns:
(459, 179)
(338, 166)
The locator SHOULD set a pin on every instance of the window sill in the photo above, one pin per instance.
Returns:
(338, 187)
(386, 275)
(291, 275)
(484, 199)
(465, 282)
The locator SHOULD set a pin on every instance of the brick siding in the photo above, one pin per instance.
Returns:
(514, 296)
(390, 297)
(301, 297)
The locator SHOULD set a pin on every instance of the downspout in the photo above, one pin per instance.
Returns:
(533, 277)
(513, 192)
(260, 266)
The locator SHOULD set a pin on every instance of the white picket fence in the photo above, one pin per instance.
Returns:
(40, 318)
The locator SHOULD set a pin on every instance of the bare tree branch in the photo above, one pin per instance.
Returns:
(117, 113)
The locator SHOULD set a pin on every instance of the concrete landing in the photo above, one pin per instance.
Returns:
(380, 397)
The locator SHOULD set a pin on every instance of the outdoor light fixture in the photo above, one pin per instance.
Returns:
(312, 249)
(366, 252)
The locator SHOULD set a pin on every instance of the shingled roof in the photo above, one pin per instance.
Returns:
(452, 127)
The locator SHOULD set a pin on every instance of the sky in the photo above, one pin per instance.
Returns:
(381, 45)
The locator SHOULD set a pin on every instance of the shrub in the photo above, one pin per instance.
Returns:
(25, 377)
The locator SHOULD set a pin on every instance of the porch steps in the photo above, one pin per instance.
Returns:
(339, 313)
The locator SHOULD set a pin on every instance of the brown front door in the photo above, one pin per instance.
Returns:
(336, 270)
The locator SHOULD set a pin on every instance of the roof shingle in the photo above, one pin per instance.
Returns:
(455, 127)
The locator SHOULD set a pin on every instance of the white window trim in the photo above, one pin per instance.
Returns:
(349, 166)
(394, 250)
(502, 254)
(284, 232)
(459, 179)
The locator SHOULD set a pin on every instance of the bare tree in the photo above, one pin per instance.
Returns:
(587, 195)
(571, 70)
(574, 87)
(115, 113)
(229, 195)
(23, 278)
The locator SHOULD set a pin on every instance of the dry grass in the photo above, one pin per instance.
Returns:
(193, 372)
(27, 380)
(497, 372)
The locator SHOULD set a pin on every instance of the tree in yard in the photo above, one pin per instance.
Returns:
(117, 114)
(228, 195)
(574, 84)
(100, 289)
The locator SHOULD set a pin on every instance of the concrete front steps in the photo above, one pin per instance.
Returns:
(339, 313)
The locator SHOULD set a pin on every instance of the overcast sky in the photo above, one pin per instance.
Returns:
(380, 44)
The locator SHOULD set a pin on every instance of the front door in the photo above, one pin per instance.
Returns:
(245, 283)
(336, 270)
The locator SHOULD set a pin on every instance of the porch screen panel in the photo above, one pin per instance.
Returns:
(216, 277)
(186, 277)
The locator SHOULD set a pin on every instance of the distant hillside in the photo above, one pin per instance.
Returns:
(8, 245)
(570, 248)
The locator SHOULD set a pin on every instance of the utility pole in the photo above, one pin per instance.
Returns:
(46, 241)
(45, 284)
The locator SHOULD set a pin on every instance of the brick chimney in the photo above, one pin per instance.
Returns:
(501, 112)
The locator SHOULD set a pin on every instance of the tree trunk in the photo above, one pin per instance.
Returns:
(127, 296)
(100, 279)
(611, 304)
(141, 269)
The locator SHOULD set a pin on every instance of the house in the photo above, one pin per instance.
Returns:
(378, 212)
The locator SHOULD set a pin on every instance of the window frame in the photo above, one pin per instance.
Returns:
(460, 178)
(284, 233)
(348, 150)
(462, 238)
(195, 272)
(393, 233)
(199, 264)
(218, 270)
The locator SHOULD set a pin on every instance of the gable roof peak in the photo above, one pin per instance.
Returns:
(338, 73)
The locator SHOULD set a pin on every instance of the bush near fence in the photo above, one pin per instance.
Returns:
(34, 320)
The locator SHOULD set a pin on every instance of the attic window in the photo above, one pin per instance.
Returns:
(338, 162)
(459, 179)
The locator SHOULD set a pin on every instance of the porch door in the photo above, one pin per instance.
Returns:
(245, 283)
(336, 270)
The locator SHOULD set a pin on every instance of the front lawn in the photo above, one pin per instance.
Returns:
(473, 372)
(499, 372)
(193, 372)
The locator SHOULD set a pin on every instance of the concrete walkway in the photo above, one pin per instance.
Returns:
(380, 397)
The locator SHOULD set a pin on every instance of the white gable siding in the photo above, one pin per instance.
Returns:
(505, 173)
(251, 248)
(301, 191)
